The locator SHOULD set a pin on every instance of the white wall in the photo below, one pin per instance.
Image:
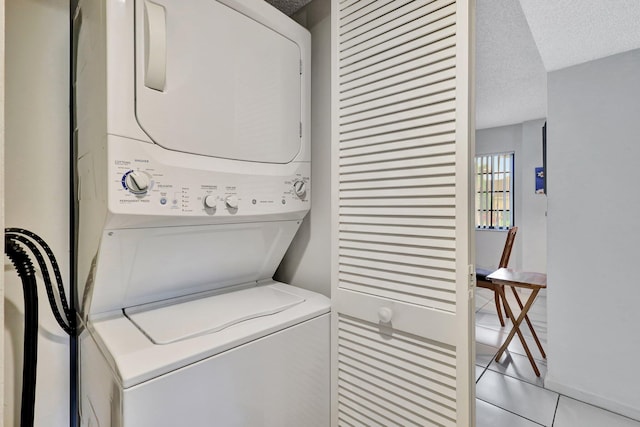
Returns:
(529, 250)
(307, 262)
(593, 157)
(532, 231)
(36, 198)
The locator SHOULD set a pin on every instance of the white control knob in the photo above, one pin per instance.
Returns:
(137, 182)
(300, 188)
(231, 201)
(209, 201)
(385, 314)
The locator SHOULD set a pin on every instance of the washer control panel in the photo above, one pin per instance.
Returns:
(145, 186)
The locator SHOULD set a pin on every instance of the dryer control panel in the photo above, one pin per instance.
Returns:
(145, 179)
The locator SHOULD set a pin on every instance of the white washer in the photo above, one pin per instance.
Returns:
(194, 176)
(265, 371)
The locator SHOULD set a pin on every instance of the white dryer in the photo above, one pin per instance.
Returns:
(194, 176)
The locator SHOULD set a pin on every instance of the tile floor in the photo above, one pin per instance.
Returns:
(508, 392)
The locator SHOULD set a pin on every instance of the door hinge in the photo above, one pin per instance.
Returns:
(472, 276)
(301, 67)
(300, 129)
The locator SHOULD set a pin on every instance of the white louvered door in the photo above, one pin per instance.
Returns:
(402, 144)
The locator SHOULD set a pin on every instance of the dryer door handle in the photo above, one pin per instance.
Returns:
(155, 46)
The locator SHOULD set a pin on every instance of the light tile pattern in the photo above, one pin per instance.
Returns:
(508, 392)
(489, 415)
(532, 402)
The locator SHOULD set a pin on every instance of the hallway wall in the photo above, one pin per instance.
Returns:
(593, 152)
(37, 185)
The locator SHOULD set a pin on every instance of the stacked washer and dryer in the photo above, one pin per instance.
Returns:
(193, 164)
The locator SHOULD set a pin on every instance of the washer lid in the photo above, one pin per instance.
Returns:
(178, 321)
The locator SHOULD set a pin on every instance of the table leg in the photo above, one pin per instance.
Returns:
(526, 318)
(516, 328)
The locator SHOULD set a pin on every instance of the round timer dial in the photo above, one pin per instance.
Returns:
(300, 188)
(137, 182)
(209, 201)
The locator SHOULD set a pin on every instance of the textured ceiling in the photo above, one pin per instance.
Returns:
(288, 7)
(511, 82)
(570, 32)
(519, 41)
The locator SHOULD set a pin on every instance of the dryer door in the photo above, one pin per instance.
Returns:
(213, 81)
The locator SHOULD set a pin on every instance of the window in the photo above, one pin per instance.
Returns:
(494, 191)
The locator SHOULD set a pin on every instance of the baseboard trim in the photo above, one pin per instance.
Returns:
(592, 399)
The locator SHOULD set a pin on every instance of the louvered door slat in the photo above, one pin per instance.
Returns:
(401, 140)
(438, 238)
(383, 399)
(399, 126)
(424, 271)
(425, 64)
(400, 202)
(343, 5)
(386, 91)
(417, 222)
(370, 63)
(433, 130)
(428, 94)
(398, 192)
(409, 105)
(436, 211)
(396, 19)
(398, 229)
(395, 277)
(425, 53)
(405, 116)
(434, 251)
(442, 143)
(394, 39)
(399, 400)
(415, 158)
(399, 258)
(375, 12)
(424, 395)
(371, 409)
(392, 373)
(353, 414)
(354, 7)
(427, 365)
(439, 299)
(435, 183)
(398, 174)
(363, 241)
(359, 244)
(385, 59)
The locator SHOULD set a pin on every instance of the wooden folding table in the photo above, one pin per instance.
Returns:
(519, 279)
